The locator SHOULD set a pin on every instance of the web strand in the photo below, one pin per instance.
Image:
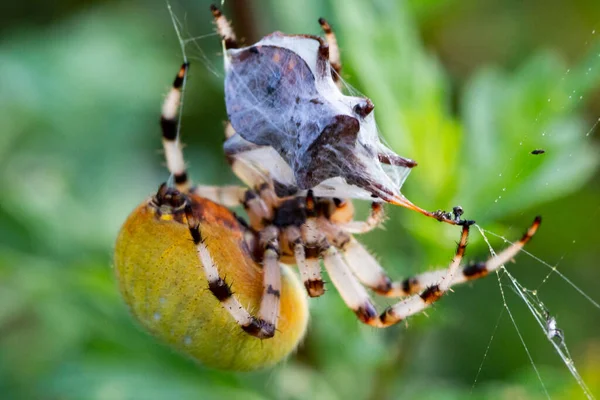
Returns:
(503, 271)
(176, 26)
(541, 315)
(553, 268)
(487, 349)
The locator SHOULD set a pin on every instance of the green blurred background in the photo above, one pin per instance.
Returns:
(467, 88)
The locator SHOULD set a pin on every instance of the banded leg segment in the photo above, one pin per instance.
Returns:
(375, 218)
(259, 206)
(352, 292)
(269, 306)
(357, 298)
(310, 268)
(246, 172)
(169, 123)
(258, 211)
(366, 268)
(469, 272)
(228, 196)
(217, 285)
(263, 326)
(418, 302)
(371, 274)
(334, 51)
(313, 243)
(224, 28)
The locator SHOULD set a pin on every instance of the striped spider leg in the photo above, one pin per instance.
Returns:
(350, 265)
(371, 274)
(334, 52)
(263, 325)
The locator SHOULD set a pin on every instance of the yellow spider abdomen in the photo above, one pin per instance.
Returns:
(163, 282)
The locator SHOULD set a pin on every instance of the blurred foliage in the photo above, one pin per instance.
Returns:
(81, 91)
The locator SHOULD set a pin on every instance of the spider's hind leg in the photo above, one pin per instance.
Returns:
(471, 271)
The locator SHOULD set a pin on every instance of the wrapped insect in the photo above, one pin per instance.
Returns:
(290, 121)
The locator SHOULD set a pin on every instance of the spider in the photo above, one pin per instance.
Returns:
(221, 289)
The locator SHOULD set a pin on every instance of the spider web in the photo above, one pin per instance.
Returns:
(556, 334)
(541, 314)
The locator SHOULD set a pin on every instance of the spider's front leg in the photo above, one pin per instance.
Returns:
(473, 270)
(419, 302)
(258, 206)
(431, 286)
(229, 196)
(371, 274)
(357, 298)
(169, 123)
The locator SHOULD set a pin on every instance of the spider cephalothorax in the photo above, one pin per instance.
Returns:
(208, 282)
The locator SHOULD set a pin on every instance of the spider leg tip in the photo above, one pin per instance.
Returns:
(325, 25)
